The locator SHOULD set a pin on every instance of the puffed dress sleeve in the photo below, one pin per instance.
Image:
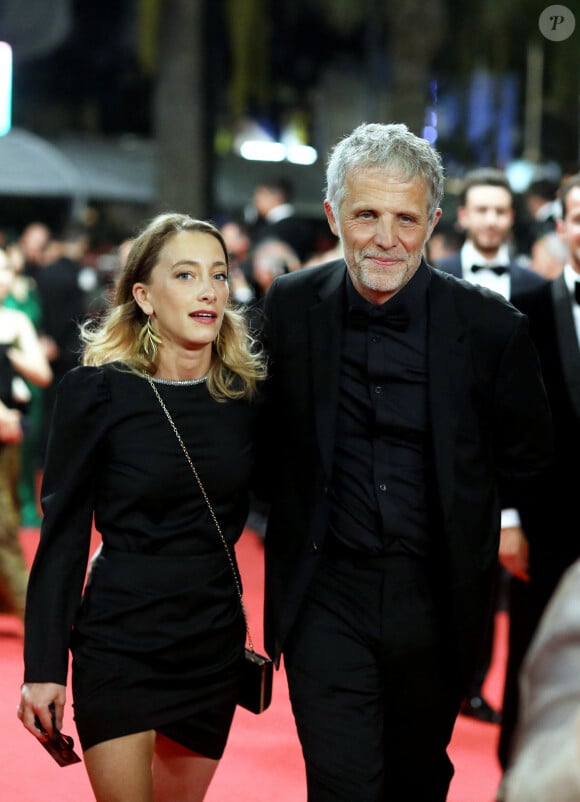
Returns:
(80, 419)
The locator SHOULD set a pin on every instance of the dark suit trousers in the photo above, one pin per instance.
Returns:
(485, 656)
(369, 686)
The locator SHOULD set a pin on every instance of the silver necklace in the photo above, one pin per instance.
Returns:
(176, 382)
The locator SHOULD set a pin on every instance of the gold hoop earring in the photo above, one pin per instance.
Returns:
(149, 340)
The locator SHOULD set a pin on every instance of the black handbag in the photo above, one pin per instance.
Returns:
(256, 682)
(257, 672)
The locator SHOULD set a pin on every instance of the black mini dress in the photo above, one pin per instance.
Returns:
(158, 635)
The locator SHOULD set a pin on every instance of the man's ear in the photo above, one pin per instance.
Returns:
(141, 296)
(436, 218)
(331, 219)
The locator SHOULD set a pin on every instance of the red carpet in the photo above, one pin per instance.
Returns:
(262, 761)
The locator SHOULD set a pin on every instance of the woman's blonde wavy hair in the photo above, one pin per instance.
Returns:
(237, 363)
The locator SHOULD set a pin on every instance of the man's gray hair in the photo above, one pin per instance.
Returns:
(391, 147)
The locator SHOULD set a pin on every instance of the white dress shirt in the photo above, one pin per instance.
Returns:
(486, 278)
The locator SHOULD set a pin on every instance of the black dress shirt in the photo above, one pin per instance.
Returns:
(379, 490)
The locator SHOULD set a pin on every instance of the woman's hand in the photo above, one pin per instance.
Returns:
(34, 701)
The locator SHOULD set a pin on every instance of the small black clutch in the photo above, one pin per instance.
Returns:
(256, 682)
(60, 747)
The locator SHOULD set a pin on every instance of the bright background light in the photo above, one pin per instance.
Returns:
(263, 151)
(253, 141)
(301, 154)
(5, 88)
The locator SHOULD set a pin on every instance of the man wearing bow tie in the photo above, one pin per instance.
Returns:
(399, 401)
(486, 215)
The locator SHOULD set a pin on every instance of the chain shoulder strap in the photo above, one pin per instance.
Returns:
(209, 506)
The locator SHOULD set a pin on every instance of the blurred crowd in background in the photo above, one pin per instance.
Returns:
(61, 278)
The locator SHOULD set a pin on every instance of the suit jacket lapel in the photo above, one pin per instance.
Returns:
(326, 324)
(567, 339)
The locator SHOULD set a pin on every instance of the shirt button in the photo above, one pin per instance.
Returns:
(382, 487)
(375, 338)
(378, 389)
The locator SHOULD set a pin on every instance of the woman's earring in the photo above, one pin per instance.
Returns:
(149, 340)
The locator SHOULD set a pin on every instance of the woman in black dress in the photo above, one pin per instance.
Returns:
(158, 636)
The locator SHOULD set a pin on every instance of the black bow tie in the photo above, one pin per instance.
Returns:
(362, 318)
(499, 270)
(577, 291)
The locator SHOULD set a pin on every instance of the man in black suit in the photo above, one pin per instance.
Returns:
(399, 400)
(486, 215)
(549, 518)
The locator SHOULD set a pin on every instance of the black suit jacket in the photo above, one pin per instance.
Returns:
(489, 421)
(521, 278)
(550, 517)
